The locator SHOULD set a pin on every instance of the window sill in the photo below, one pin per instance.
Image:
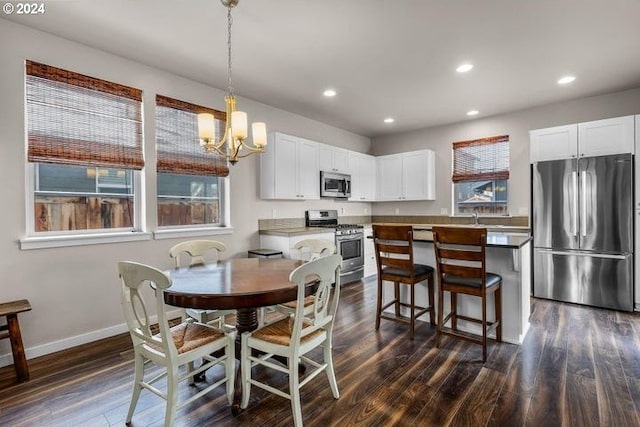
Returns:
(43, 242)
(175, 233)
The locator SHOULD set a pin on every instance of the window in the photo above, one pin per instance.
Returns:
(480, 176)
(84, 149)
(189, 179)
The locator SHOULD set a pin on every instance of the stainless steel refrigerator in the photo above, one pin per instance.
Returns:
(582, 229)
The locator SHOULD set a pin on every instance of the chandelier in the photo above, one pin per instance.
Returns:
(232, 144)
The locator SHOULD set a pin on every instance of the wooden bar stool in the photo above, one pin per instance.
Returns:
(10, 310)
(461, 267)
(394, 258)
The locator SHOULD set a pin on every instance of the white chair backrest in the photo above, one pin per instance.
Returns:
(135, 278)
(310, 249)
(326, 270)
(195, 250)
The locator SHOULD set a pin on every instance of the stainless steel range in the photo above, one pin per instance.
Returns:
(349, 240)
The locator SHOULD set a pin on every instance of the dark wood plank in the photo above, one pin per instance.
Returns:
(590, 377)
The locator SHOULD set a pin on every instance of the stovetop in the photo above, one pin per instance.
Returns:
(328, 219)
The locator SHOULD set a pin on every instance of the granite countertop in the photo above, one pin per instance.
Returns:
(494, 240)
(510, 237)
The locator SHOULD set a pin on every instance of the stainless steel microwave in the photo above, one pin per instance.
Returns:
(334, 184)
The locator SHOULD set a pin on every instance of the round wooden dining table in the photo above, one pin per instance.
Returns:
(243, 284)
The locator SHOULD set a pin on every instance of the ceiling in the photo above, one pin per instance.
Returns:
(384, 58)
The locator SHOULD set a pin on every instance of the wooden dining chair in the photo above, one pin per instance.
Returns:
(396, 264)
(170, 348)
(461, 265)
(307, 250)
(294, 338)
(198, 252)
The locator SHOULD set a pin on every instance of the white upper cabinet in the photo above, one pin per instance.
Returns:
(602, 137)
(289, 168)
(560, 142)
(597, 138)
(362, 168)
(389, 177)
(418, 175)
(407, 176)
(333, 159)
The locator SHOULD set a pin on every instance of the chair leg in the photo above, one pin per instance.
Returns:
(412, 319)
(396, 295)
(432, 311)
(294, 392)
(137, 388)
(440, 315)
(484, 328)
(245, 367)
(230, 367)
(454, 311)
(379, 309)
(331, 375)
(498, 307)
(172, 395)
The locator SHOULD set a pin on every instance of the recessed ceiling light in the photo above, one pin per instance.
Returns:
(389, 120)
(566, 80)
(473, 113)
(464, 68)
(329, 93)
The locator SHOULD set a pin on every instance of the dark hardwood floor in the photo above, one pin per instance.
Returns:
(578, 366)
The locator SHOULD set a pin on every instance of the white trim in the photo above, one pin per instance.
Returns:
(173, 233)
(66, 343)
(58, 241)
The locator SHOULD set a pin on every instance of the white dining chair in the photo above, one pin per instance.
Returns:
(174, 348)
(295, 337)
(197, 252)
(306, 250)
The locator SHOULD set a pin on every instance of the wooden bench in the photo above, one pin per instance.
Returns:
(10, 310)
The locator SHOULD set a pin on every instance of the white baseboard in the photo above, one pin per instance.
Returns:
(66, 343)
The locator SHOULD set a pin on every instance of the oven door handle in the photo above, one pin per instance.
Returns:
(345, 238)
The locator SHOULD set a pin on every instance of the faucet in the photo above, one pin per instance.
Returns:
(475, 216)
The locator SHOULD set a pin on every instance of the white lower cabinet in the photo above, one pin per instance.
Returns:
(285, 243)
(370, 267)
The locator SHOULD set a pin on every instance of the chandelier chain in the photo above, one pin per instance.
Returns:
(229, 22)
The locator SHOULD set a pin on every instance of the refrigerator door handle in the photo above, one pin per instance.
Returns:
(583, 203)
(574, 225)
(585, 254)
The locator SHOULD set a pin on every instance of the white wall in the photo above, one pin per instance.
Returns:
(74, 291)
(516, 125)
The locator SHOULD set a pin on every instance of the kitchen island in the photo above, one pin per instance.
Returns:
(509, 255)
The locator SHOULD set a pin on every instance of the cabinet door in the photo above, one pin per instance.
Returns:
(560, 142)
(355, 170)
(326, 157)
(368, 177)
(370, 267)
(308, 170)
(417, 169)
(333, 159)
(341, 160)
(362, 168)
(604, 137)
(389, 177)
(286, 149)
